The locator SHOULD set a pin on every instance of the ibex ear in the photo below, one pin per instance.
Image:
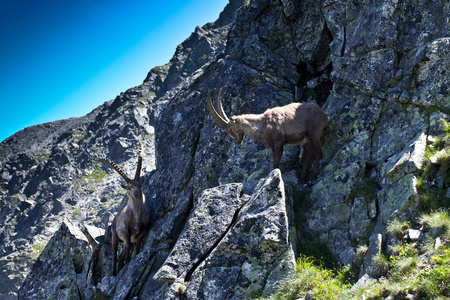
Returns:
(124, 186)
(141, 182)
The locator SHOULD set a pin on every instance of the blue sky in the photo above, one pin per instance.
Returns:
(63, 58)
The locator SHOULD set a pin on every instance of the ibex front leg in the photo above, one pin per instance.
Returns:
(125, 255)
(277, 152)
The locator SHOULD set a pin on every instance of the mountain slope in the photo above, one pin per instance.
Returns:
(49, 172)
(379, 76)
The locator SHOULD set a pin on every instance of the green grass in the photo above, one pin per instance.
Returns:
(398, 228)
(318, 252)
(367, 189)
(416, 268)
(312, 278)
(75, 212)
(42, 155)
(380, 263)
(438, 221)
(407, 274)
(404, 262)
(37, 250)
(421, 268)
(97, 176)
(434, 180)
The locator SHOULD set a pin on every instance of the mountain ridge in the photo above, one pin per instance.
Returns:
(74, 144)
(380, 78)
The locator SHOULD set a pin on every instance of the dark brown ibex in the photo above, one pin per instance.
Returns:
(132, 223)
(292, 124)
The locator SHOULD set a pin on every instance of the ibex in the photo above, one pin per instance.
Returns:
(292, 124)
(132, 223)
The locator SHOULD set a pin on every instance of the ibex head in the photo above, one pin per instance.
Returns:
(133, 186)
(229, 124)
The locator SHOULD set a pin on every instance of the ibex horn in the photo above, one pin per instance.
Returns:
(116, 168)
(139, 165)
(220, 107)
(219, 120)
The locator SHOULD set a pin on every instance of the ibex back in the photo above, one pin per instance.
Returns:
(292, 124)
(132, 223)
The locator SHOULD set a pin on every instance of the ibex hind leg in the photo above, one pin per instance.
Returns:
(308, 151)
(318, 154)
(115, 246)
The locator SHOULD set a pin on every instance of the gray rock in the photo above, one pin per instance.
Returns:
(414, 234)
(363, 282)
(411, 160)
(254, 255)
(438, 243)
(378, 68)
(210, 219)
(60, 268)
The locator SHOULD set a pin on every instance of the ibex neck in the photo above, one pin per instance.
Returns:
(136, 204)
(251, 125)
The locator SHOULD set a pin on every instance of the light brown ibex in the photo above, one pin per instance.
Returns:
(132, 223)
(292, 124)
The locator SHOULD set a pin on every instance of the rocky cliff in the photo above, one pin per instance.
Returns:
(224, 224)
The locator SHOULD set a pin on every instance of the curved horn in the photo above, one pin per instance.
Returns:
(221, 112)
(116, 168)
(219, 120)
(139, 166)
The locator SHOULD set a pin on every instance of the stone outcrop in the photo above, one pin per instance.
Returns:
(54, 273)
(220, 214)
(49, 172)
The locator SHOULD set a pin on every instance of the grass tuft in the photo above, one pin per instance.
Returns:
(398, 228)
(380, 263)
